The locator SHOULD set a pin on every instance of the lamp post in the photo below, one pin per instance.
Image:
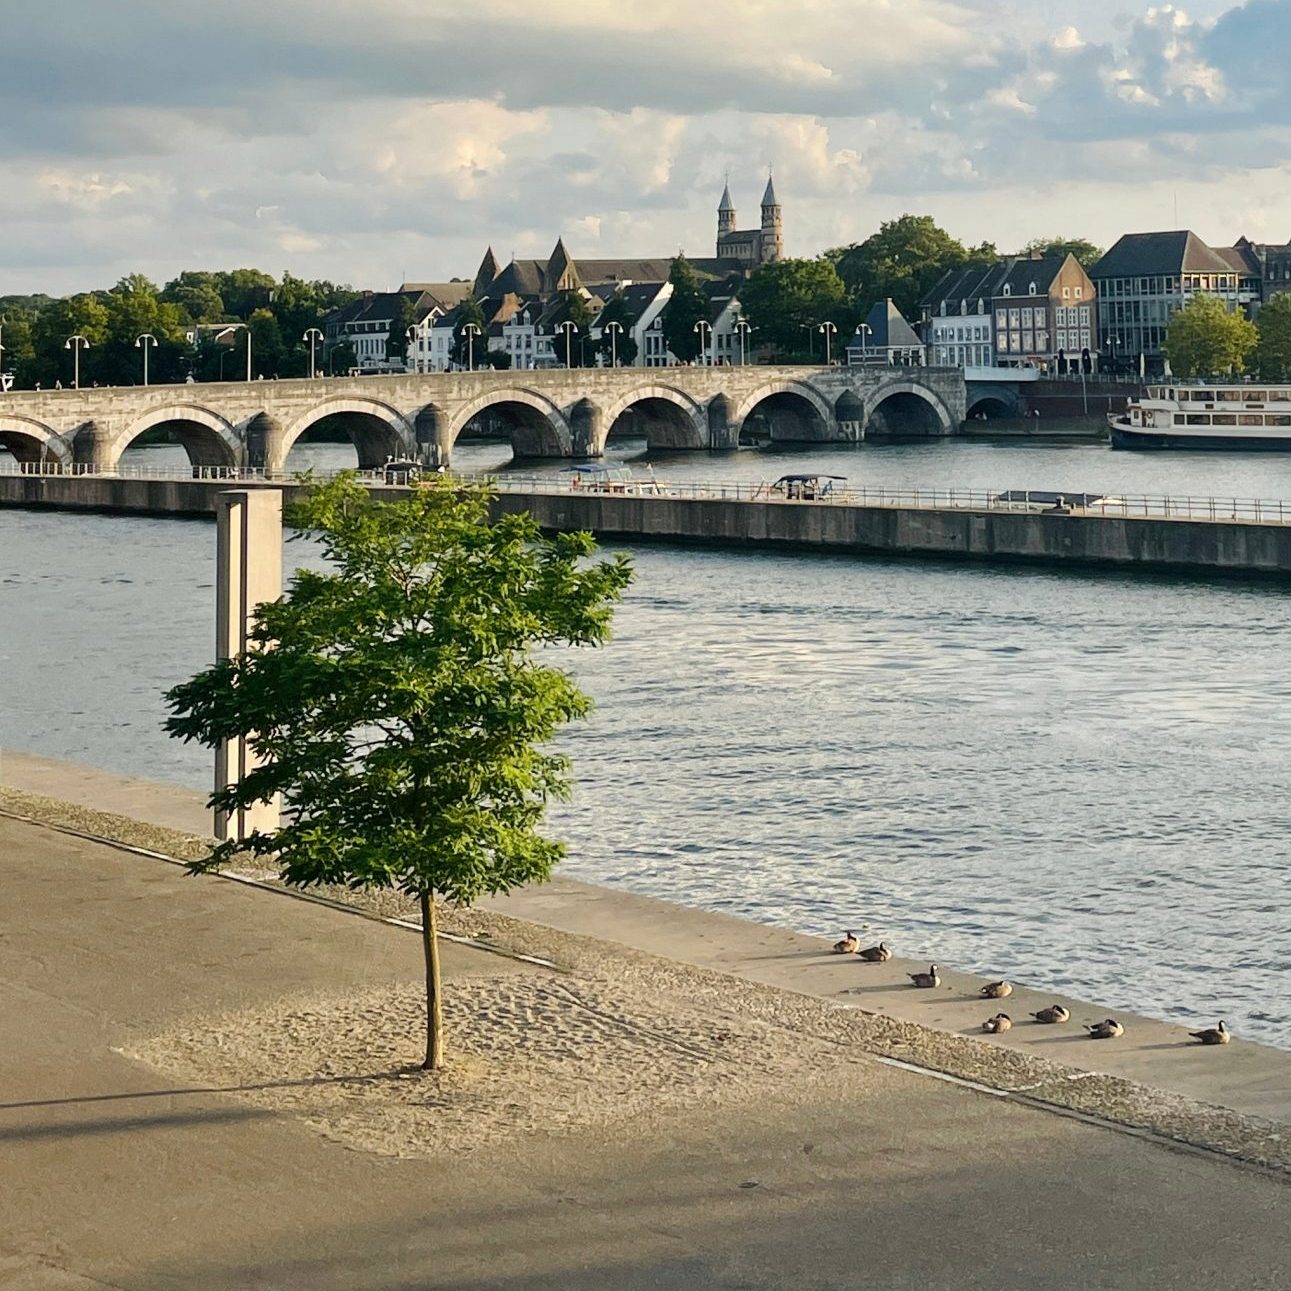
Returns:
(615, 329)
(863, 330)
(76, 344)
(145, 341)
(827, 330)
(743, 328)
(569, 328)
(699, 331)
(471, 331)
(228, 331)
(312, 337)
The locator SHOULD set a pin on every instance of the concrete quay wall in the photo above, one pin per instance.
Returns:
(1190, 546)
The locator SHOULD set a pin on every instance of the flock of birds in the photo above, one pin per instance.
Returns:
(1108, 1029)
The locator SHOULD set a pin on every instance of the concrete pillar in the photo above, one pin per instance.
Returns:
(587, 424)
(248, 572)
(431, 429)
(264, 446)
(721, 434)
(90, 448)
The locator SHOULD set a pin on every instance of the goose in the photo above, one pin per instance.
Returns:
(1107, 1030)
(1212, 1035)
(849, 944)
(926, 980)
(1000, 1022)
(996, 990)
(1054, 1013)
(879, 954)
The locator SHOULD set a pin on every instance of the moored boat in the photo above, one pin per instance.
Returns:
(1237, 416)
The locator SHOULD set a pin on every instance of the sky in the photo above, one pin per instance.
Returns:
(377, 141)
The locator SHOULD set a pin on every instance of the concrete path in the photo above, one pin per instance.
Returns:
(1250, 1078)
(111, 1177)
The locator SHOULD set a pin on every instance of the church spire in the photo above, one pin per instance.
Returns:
(725, 213)
(769, 197)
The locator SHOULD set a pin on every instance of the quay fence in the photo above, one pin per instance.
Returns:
(1143, 506)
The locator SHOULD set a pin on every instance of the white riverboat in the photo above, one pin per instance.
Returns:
(1237, 416)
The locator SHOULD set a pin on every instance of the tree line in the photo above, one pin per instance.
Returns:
(276, 312)
(1207, 339)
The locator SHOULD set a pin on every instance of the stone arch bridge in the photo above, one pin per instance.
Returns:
(253, 425)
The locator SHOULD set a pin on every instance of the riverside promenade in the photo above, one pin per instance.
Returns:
(1222, 536)
(841, 1172)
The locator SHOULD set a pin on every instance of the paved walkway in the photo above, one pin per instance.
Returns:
(110, 1177)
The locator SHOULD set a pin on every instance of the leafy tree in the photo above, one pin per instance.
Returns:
(904, 260)
(405, 316)
(84, 315)
(1086, 253)
(243, 291)
(266, 343)
(786, 303)
(397, 705)
(499, 360)
(1205, 340)
(134, 308)
(19, 354)
(1274, 353)
(622, 346)
(685, 307)
(197, 295)
(464, 349)
(342, 357)
(574, 309)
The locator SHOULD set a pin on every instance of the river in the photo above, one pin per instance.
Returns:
(1077, 780)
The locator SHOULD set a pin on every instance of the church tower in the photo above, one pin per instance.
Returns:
(725, 213)
(772, 226)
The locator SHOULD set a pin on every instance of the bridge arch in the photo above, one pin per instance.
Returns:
(377, 430)
(207, 438)
(795, 410)
(990, 402)
(908, 409)
(537, 426)
(676, 419)
(32, 442)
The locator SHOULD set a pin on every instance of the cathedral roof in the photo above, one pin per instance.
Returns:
(726, 204)
(769, 197)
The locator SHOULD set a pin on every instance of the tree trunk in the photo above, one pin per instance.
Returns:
(434, 1004)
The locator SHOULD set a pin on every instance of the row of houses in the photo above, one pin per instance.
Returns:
(1019, 312)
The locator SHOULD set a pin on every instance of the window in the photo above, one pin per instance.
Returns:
(1066, 292)
(1008, 291)
(1026, 318)
(1080, 291)
(1001, 317)
(1225, 419)
(1031, 289)
(1199, 419)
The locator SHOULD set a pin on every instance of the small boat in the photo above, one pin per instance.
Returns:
(804, 488)
(1234, 415)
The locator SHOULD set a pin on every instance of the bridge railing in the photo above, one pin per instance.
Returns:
(1131, 505)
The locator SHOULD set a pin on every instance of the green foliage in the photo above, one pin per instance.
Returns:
(621, 346)
(266, 344)
(405, 316)
(1086, 253)
(396, 702)
(904, 260)
(499, 360)
(243, 291)
(1273, 355)
(1205, 340)
(463, 351)
(685, 307)
(341, 358)
(785, 304)
(84, 315)
(197, 295)
(574, 349)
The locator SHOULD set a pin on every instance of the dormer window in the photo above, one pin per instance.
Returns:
(981, 305)
(1032, 289)
(963, 307)
(943, 309)
(1008, 291)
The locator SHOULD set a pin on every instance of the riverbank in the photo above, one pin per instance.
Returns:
(1137, 1079)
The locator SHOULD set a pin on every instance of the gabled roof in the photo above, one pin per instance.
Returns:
(383, 306)
(888, 329)
(1180, 251)
(1241, 259)
(977, 282)
(444, 294)
(1022, 271)
(487, 271)
(636, 300)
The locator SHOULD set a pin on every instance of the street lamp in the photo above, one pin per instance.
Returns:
(471, 331)
(312, 336)
(615, 329)
(699, 331)
(741, 326)
(145, 342)
(827, 330)
(569, 328)
(863, 330)
(76, 344)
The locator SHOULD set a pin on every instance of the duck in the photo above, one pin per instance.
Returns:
(849, 944)
(1212, 1035)
(996, 990)
(1054, 1013)
(1106, 1030)
(879, 954)
(1000, 1022)
(926, 980)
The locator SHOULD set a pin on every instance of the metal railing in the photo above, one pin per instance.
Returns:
(1129, 505)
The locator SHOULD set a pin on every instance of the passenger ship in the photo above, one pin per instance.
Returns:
(1214, 416)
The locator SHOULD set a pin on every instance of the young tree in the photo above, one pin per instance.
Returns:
(786, 303)
(1274, 353)
(266, 343)
(397, 340)
(685, 307)
(397, 705)
(1205, 340)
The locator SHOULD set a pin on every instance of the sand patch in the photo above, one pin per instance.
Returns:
(529, 1054)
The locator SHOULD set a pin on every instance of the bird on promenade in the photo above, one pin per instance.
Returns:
(996, 990)
(1054, 1013)
(1212, 1035)
(879, 954)
(848, 945)
(926, 980)
(1107, 1030)
(1000, 1022)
